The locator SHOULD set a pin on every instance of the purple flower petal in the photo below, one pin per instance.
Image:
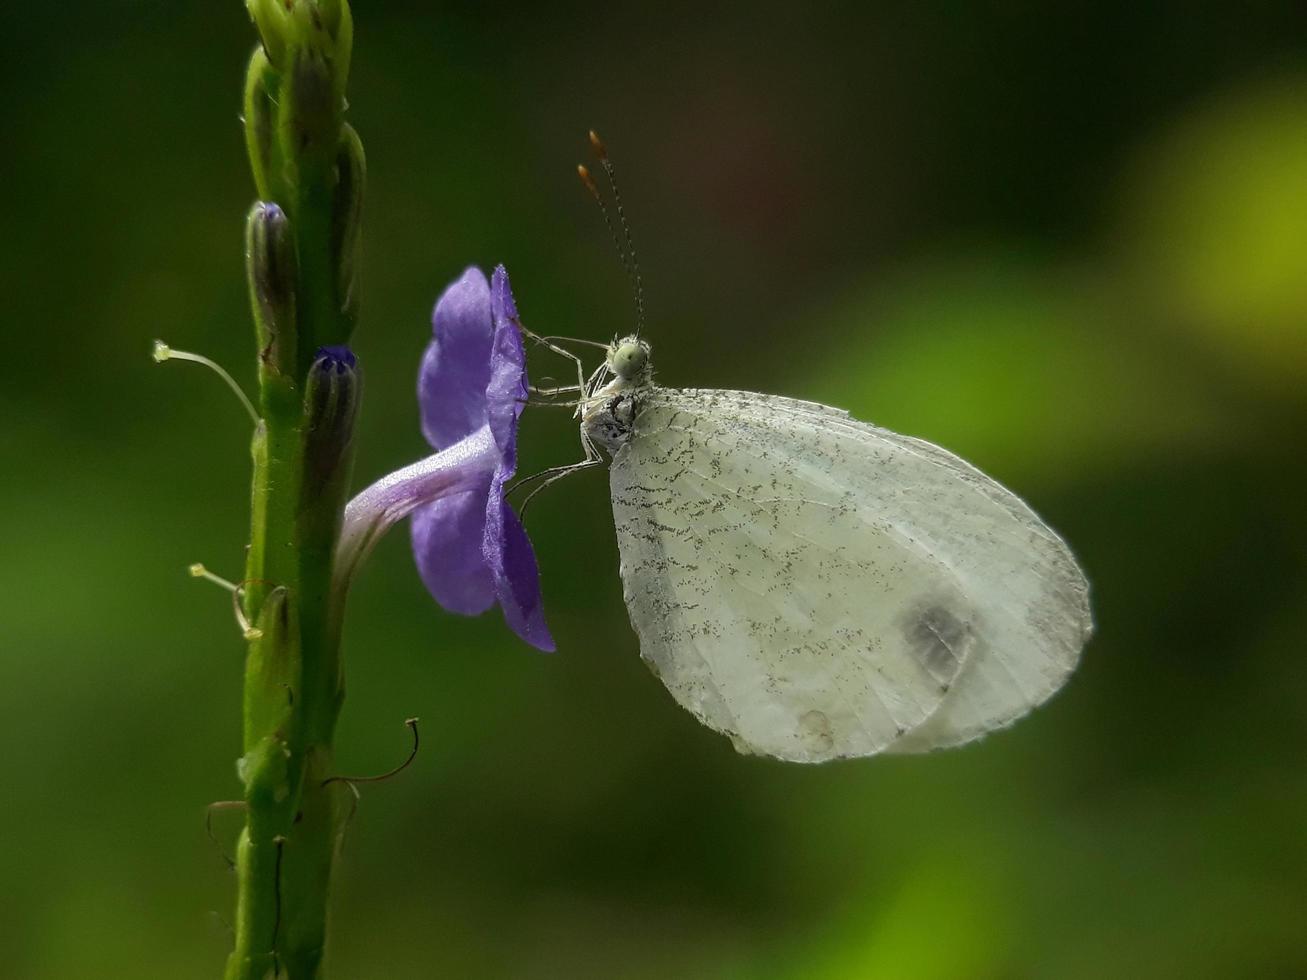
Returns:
(506, 549)
(471, 549)
(447, 546)
(501, 294)
(467, 465)
(456, 366)
(508, 553)
(506, 387)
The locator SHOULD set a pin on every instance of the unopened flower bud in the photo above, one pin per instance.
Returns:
(261, 123)
(270, 19)
(310, 109)
(309, 44)
(271, 268)
(346, 217)
(331, 399)
(334, 14)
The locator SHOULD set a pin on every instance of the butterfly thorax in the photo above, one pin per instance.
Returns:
(610, 410)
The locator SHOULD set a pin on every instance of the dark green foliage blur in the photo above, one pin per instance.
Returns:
(1069, 244)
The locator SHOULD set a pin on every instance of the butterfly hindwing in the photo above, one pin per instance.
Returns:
(816, 587)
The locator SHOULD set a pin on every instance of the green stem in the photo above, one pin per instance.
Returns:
(302, 449)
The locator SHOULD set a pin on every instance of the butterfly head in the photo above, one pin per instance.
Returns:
(628, 360)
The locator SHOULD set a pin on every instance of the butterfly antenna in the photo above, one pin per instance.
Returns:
(631, 262)
(583, 172)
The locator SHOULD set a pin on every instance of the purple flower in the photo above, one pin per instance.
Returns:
(471, 549)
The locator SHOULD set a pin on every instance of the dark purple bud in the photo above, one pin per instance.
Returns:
(331, 399)
(272, 271)
(338, 359)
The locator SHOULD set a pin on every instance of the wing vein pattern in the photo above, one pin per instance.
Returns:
(815, 587)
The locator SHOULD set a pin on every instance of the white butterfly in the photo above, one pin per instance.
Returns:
(817, 588)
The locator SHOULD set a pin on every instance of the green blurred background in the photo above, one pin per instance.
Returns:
(1069, 244)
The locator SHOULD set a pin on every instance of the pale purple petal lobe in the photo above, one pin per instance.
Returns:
(456, 366)
(508, 553)
(507, 385)
(447, 545)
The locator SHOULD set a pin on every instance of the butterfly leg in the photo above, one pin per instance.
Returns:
(584, 386)
(591, 457)
(559, 472)
(555, 390)
(536, 338)
(556, 473)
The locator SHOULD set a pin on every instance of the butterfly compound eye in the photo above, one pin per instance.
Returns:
(629, 359)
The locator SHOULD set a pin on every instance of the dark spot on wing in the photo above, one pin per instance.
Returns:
(940, 640)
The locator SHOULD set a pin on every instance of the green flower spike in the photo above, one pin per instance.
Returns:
(301, 243)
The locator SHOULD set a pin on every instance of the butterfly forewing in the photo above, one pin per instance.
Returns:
(816, 587)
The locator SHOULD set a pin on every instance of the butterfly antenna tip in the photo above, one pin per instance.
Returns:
(626, 245)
